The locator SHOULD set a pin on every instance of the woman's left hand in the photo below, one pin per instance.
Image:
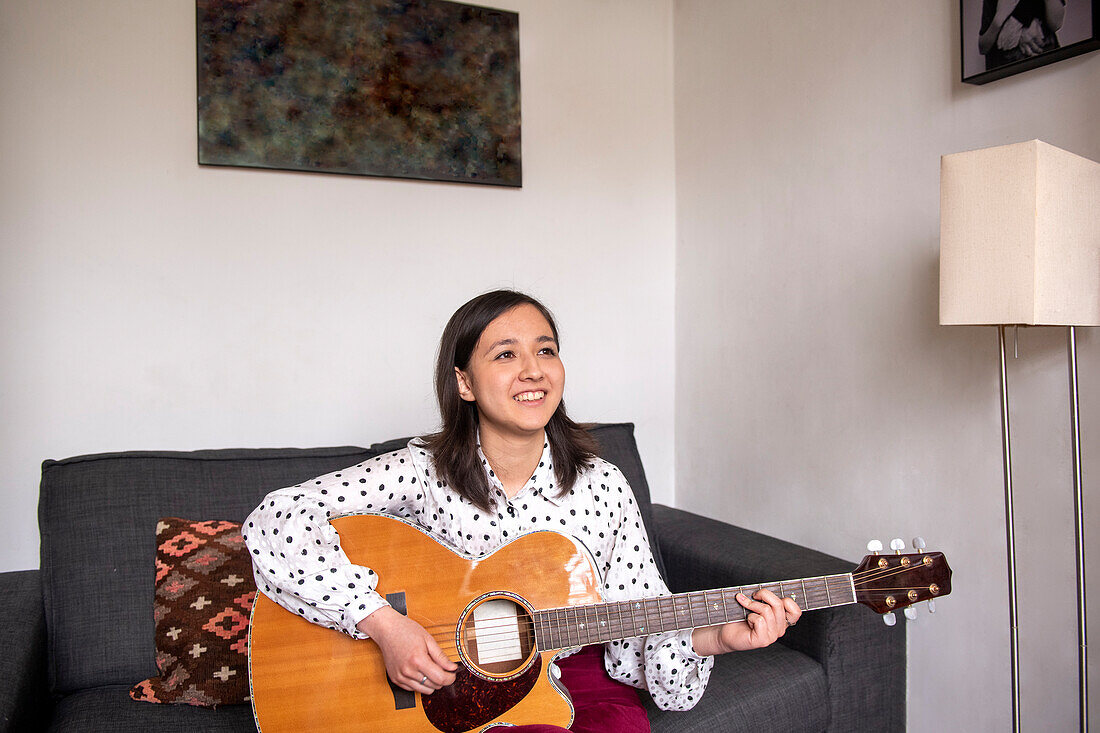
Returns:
(768, 619)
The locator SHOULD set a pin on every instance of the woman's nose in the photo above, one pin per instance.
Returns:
(531, 369)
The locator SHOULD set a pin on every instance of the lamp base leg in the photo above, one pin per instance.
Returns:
(1079, 519)
(1006, 445)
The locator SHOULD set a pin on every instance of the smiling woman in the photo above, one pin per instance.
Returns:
(508, 462)
(500, 382)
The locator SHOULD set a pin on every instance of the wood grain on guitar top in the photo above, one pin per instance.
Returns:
(308, 678)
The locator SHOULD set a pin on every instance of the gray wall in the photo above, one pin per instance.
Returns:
(816, 396)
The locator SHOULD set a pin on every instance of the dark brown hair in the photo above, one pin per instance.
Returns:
(454, 447)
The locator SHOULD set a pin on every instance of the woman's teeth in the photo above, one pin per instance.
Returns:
(529, 396)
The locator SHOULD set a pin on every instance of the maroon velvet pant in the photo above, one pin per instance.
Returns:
(602, 704)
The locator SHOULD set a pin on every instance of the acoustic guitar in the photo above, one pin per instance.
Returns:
(308, 678)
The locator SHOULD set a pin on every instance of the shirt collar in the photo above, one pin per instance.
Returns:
(543, 480)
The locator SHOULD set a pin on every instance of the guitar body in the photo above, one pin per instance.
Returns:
(308, 678)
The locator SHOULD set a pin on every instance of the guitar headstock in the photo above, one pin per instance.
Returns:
(888, 583)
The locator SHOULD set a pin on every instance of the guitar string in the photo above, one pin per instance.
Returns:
(511, 623)
(863, 579)
(526, 623)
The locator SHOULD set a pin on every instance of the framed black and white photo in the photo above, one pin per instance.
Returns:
(1005, 37)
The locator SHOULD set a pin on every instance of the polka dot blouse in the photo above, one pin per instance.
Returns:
(298, 562)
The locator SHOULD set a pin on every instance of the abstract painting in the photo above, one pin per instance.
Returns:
(422, 89)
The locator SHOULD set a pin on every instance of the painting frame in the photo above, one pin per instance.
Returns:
(976, 68)
(418, 89)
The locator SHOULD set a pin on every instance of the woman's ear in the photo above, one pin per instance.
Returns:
(464, 390)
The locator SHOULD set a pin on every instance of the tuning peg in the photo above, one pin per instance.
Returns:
(897, 545)
(889, 619)
(874, 546)
(911, 613)
(918, 542)
(931, 605)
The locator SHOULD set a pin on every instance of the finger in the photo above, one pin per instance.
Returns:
(792, 611)
(764, 612)
(774, 602)
(751, 606)
(767, 621)
(437, 677)
(439, 657)
(420, 682)
(413, 684)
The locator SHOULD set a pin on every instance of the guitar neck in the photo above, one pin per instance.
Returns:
(558, 628)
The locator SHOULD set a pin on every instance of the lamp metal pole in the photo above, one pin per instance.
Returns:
(1006, 445)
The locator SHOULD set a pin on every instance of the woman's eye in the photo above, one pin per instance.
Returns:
(504, 354)
(548, 351)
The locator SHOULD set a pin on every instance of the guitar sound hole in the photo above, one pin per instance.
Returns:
(497, 636)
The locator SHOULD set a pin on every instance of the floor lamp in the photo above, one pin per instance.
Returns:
(1020, 245)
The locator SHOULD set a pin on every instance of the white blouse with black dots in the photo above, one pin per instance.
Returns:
(299, 564)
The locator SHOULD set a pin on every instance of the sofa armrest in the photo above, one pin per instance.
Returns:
(864, 660)
(24, 700)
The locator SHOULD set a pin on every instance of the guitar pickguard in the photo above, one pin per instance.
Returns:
(472, 701)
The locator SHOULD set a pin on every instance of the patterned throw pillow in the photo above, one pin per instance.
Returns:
(204, 596)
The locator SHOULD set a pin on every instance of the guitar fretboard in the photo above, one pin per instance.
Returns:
(557, 628)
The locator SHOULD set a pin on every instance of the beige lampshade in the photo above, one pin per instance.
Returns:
(1019, 237)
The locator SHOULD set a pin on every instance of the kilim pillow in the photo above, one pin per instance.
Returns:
(204, 595)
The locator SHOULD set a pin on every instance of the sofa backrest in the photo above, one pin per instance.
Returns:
(98, 514)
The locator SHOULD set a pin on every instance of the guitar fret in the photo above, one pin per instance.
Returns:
(690, 603)
(738, 612)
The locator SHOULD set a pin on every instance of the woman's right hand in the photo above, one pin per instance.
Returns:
(414, 661)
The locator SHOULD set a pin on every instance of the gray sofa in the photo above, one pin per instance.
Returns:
(78, 632)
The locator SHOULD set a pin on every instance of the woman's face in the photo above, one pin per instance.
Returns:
(514, 376)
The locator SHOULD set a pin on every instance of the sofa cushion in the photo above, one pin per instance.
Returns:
(775, 688)
(204, 596)
(96, 516)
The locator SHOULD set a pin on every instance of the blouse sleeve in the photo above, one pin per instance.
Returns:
(296, 555)
(665, 665)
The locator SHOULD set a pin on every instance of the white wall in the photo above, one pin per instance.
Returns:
(816, 397)
(149, 303)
